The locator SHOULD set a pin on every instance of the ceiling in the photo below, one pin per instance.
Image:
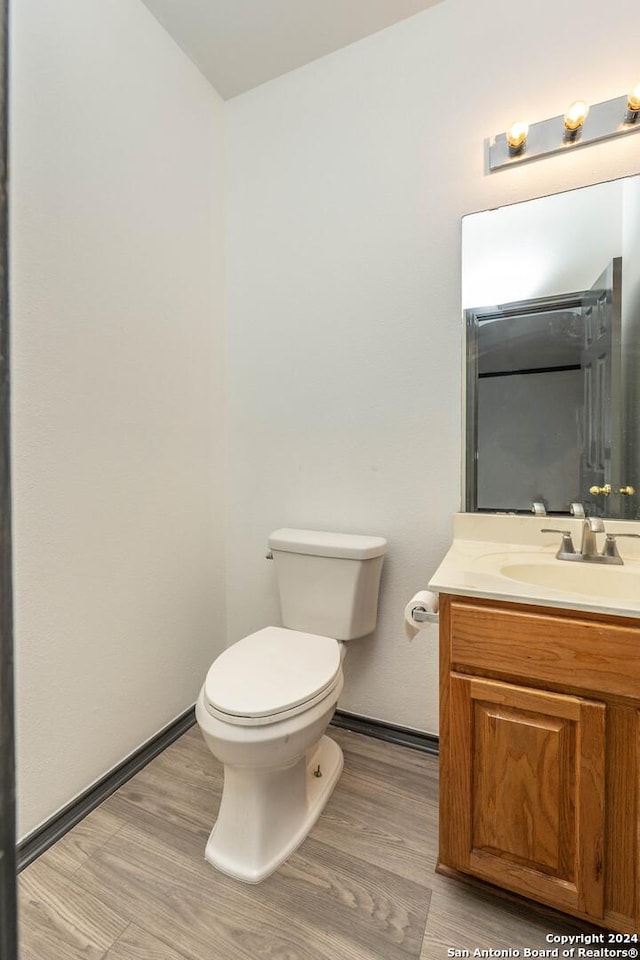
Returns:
(239, 44)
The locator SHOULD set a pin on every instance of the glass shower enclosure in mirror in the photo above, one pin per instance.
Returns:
(551, 300)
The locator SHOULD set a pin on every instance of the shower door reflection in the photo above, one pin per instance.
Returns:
(545, 380)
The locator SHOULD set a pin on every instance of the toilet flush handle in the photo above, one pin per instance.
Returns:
(268, 555)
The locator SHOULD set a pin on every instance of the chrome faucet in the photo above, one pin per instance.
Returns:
(589, 549)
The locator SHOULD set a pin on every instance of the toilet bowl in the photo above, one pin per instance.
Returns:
(267, 700)
(263, 710)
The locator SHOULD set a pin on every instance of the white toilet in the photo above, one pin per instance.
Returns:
(268, 699)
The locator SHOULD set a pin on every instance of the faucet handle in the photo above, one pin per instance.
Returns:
(610, 548)
(567, 543)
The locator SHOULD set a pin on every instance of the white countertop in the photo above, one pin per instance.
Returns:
(493, 556)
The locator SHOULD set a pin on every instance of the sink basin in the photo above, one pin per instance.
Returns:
(512, 559)
(616, 583)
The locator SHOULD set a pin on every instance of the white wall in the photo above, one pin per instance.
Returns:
(117, 327)
(554, 245)
(349, 178)
(348, 182)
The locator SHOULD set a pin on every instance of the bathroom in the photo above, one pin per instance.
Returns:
(232, 315)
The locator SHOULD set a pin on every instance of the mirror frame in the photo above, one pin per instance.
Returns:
(469, 431)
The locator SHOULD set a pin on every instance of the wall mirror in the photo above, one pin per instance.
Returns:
(551, 302)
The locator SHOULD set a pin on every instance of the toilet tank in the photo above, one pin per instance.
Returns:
(328, 582)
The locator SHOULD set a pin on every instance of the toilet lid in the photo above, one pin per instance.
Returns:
(270, 672)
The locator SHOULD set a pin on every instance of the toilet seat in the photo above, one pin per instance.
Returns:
(270, 675)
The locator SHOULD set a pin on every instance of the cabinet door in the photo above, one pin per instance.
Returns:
(526, 768)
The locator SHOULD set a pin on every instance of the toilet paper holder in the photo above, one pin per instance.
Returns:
(420, 615)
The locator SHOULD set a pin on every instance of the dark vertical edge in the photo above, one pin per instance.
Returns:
(470, 436)
(8, 912)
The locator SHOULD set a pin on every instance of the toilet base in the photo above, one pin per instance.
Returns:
(265, 814)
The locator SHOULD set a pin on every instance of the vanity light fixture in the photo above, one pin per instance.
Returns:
(633, 106)
(579, 126)
(517, 137)
(574, 119)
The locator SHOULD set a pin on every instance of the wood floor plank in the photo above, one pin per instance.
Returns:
(190, 760)
(387, 827)
(186, 837)
(164, 805)
(180, 899)
(381, 827)
(71, 851)
(409, 771)
(372, 915)
(132, 884)
(60, 920)
(138, 944)
(378, 768)
(161, 797)
(464, 918)
(171, 796)
(382, 913)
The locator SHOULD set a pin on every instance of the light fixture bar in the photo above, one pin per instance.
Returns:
(605, 120)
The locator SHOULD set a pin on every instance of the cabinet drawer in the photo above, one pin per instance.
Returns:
(579, 653)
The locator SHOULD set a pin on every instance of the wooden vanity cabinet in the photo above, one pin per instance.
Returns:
(539, 755)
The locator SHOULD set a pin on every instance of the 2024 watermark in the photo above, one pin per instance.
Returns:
(579, 946)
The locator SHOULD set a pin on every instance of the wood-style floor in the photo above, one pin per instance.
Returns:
(130, 882)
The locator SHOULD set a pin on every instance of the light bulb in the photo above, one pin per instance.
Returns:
(576, 115)
(517, 136)
(633, 100)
